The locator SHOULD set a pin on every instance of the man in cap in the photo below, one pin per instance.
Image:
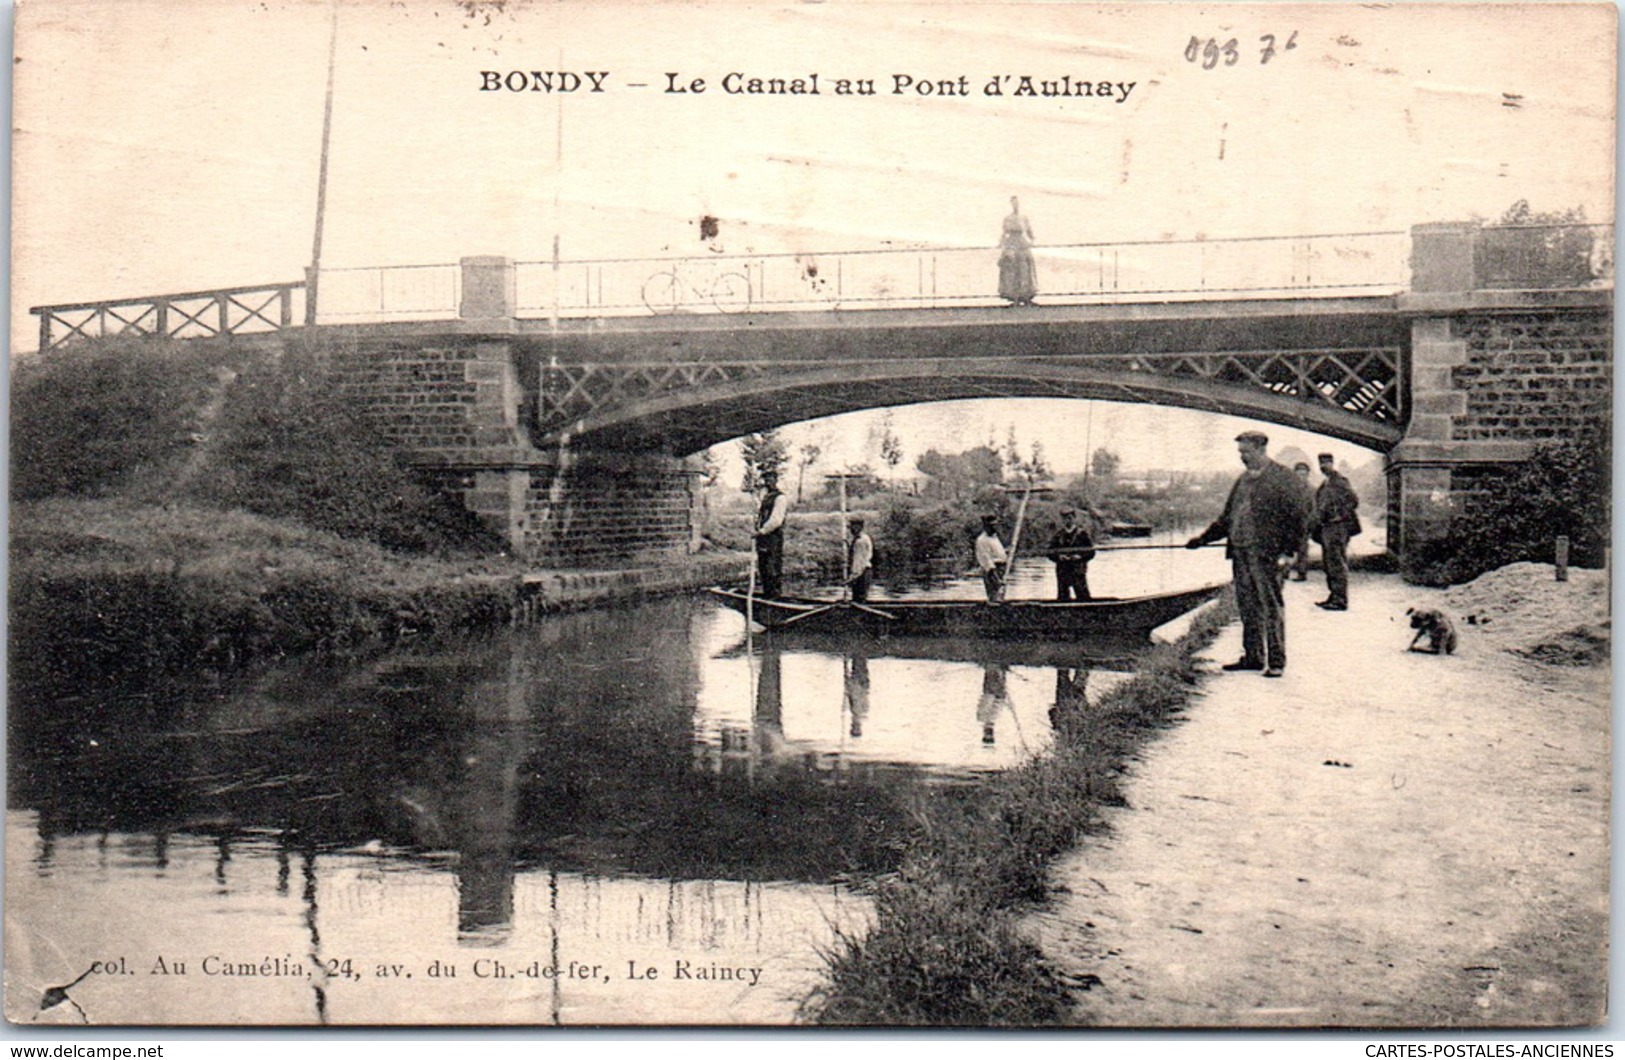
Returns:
(1071, 548)
(860, 562)
(1299, 568)
(990, 558)
(770, 535)
(1336, 519)
(1264, 518)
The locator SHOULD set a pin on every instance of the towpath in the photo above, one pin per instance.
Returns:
(1376, 839)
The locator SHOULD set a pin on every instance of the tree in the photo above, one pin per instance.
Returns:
(809, 454)
(883, 437)
(1103, 464)
(1530, 248)
(763, 451)
(958, 477)
(1036, 468)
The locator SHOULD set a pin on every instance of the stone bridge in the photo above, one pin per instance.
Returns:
(570, 433)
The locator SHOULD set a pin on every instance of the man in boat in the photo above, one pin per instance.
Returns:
(990, 559)
(1336, 519)
(1299, 568)
(1071, 548)
(1264, 518)
(861, 563)
(770, 535)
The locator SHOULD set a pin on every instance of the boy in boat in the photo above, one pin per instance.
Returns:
(770, 535)
(860, 566)
(990, 559)
(1264, 518)
(1071, 548)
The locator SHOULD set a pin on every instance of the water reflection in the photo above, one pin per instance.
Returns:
(631, 789)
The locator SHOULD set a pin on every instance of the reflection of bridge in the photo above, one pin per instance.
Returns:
(559, 398)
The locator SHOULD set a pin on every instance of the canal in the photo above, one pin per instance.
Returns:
(633, 815)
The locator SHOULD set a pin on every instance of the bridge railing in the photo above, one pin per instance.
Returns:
(391, 292)
(190, 314)
(1336, 263)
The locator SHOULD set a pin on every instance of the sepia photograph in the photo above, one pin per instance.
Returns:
(793, 514)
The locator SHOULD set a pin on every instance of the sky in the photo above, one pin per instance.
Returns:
(174, 146)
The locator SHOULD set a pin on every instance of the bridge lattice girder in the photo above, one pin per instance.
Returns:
(683, 406)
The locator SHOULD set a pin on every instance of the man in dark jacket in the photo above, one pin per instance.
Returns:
(1071, 548)
(1336, 519)
(1264, 518)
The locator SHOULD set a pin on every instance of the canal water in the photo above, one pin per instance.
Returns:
(634, 815)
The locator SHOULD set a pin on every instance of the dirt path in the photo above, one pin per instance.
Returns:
(1377, 839)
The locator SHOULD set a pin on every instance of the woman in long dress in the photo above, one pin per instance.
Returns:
(1018, 278)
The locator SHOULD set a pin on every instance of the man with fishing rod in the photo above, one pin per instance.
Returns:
(1265, 517)
(1071, 548)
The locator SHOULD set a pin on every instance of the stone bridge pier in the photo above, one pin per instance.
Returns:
(1497, 366)
(451, 397)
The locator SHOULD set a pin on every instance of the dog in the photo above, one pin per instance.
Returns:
(1436, 627)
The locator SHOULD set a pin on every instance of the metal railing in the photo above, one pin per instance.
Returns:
(1323, 265)
(1162, 270)
(190, 314)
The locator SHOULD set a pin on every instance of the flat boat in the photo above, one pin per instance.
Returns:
(1104, 616)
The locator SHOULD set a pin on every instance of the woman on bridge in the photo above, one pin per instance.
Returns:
(1018, 278)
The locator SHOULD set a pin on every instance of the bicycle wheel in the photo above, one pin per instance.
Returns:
(731, 292)
(663, 292)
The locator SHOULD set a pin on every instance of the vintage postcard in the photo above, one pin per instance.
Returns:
(672, 514)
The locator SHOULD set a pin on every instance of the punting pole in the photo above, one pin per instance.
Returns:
(1015, 535)
(840, 478)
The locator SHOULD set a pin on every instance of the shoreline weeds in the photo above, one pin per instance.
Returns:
(946, 946)
(128, 592)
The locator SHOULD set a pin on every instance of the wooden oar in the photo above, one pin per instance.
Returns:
(866, 609)
(1141, 548)
(806, 614)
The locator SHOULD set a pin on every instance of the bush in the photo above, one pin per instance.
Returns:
(1562, 490)
(288, 449)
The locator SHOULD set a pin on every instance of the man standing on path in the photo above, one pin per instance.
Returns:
(860, 563)
(1071, 548)
(1335, 520)
(770, 535)
(1264, 518)
(1299, 569)
(990, 559)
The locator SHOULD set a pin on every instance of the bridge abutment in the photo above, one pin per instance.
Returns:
(451, 399)
(1494, 372)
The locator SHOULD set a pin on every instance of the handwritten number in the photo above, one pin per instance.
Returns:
(1210, 52)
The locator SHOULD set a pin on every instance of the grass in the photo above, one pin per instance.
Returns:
(944, 949)
(107, 589)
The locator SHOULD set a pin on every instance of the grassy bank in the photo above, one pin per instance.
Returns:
(943, 949)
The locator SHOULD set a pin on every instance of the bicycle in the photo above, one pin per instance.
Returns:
(670, 292)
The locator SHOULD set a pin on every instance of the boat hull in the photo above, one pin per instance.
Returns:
(1017, 619)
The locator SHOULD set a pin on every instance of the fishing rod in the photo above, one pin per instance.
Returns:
(1130, 548)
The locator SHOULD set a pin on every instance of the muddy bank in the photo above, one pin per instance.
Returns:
(1378, 839)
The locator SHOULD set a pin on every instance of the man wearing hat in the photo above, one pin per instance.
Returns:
(1335, 520)
(860, 562)
(990, 558)
(770, 535)
(1264, 518)
(1071, 548)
